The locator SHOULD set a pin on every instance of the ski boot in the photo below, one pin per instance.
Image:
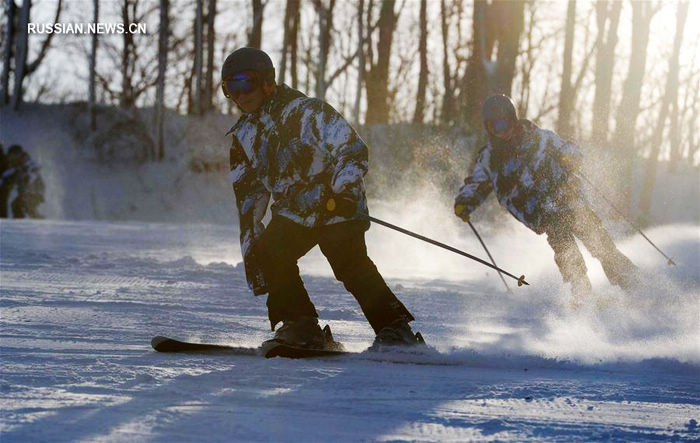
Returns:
(303, 332)
(302, 338)
(398, 333)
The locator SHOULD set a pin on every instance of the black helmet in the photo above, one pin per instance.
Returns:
(498, 108)
(14, 150)
(248, 59)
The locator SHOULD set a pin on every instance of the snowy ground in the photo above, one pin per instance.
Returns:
(81, 301)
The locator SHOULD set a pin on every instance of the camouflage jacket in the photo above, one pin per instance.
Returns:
(297, 151)
(533, 181)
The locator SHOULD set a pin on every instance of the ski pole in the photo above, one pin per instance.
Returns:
(342, 206)
(521, 280)
(490, 256)
(669, 262)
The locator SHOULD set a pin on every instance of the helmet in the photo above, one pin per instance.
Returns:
(498, 113)
(248, 59)
(15, 150)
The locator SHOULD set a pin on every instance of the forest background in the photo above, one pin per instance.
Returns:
(622, 78)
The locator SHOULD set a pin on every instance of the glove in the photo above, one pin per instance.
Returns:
(571, 163)
(461, 212)
(341, 205)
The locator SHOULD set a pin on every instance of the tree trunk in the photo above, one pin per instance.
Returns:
(670, 96)
(378, 76)
(21, 53)
(606, 11)
(162, 67)
(93, 67)
(198, 57)
(511, 21)
(361, 60)
(45, 45)
(211, 37)
(325, 20)
(474, 82)
(10, 12)
(566, 93)
(126, 96)
(419, 112)
(255, 36)
(294, 40)
(623, 139)
(282, 67)
(448, 102)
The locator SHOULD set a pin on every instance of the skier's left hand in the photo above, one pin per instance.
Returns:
(342, 205)
(461, 212)
(571, 163)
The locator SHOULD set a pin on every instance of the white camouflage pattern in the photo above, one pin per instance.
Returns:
(533, 181)
(297, 151)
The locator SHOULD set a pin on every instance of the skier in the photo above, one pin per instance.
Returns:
(30, 188)
(302, 154)
(534, 174)
(4, 184)
(21, 173)
(11, 175)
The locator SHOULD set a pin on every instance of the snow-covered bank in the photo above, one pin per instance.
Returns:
(81, 300)
(99, 177)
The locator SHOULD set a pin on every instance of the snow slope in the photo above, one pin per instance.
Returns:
(81, 300)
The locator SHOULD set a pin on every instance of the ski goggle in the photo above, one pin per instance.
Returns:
(241, 83)
(499, 126)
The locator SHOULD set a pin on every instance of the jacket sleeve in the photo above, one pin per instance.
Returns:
(344, 144)
(251, 201)
(476, 187)
(566, 152)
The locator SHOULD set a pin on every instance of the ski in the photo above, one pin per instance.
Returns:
(420, 355)
(269, 349)
(171, 345)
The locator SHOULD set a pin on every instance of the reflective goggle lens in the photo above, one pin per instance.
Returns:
(500, 126)
(239, 84)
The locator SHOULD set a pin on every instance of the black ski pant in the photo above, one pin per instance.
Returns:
(586, 226)
(283, 242)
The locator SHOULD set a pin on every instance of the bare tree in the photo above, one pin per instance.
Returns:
(198, 56)
(670, 96)
(474, 83)
(510, 18)
(92, 67)
(21, 53)
(289, 40)
(499, 23)
(608, 18)
(255, 35)
(566, 93)
(137, 72)
(377, 75)
(10, 16)
(211, 37)
(293, 55)
(624, 137)
(419, 112)
(22, 68)
(163, 30)
(361, 60)
(449, 14)
(325, 19)
(126, 97)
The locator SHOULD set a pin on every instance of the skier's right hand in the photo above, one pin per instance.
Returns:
(461, 212)
(342, 205)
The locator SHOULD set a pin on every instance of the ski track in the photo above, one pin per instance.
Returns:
(81, 300)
